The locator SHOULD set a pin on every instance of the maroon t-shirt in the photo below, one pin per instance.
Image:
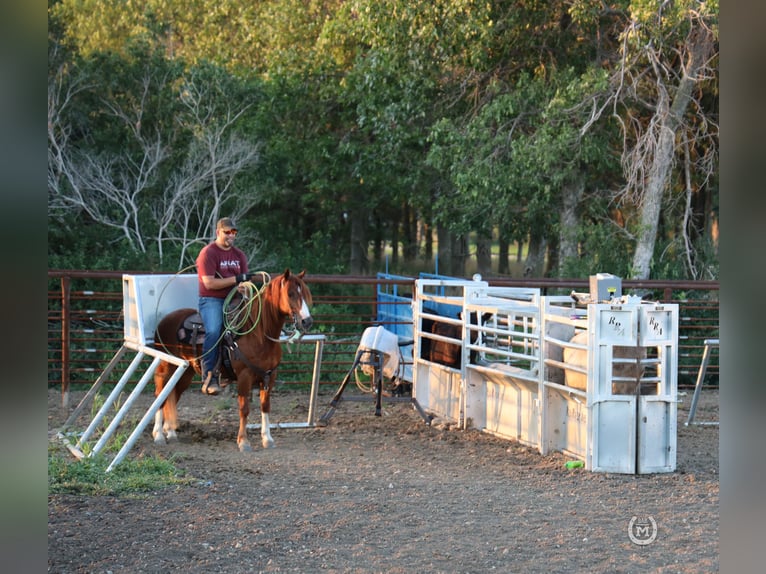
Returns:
(217, 262)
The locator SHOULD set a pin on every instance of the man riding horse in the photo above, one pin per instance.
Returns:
(220, 266)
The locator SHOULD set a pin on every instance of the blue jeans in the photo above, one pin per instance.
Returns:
(211, 311)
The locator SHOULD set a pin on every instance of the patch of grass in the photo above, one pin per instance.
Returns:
(88, 476)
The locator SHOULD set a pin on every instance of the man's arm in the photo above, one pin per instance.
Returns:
(215, 283)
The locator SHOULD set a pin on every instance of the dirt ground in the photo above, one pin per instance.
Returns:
(387, 494)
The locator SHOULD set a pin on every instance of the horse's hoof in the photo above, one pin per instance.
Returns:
(268, 444)
(159, 439)
(245, 447)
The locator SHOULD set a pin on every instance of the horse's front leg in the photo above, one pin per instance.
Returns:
(243, 398)
(266, 439)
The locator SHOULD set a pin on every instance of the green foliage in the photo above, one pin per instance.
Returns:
(89, 477)
(602, 250)
(77, 244)
(466, 113)
(673, 262)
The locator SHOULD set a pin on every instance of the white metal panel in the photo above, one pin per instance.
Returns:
(476, 400)
(658, 324)
(438, 390)
(148, 298)
(512, 410)
(613, 429)
(566, 420)
(656, 436)
(510, 390)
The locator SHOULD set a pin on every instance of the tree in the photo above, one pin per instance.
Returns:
(164, 181)
(668, 54)
(368, 120)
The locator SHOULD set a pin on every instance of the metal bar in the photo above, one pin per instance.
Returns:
(65, 342)
(318, 350)
(96, 386)
(110, 399)
(137, 390)
(151, 411)
(709, 344)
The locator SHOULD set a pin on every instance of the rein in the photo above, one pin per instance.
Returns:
(232, 344)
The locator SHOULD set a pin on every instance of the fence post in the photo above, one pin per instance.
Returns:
(65, 331)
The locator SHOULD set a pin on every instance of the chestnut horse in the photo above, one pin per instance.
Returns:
(255, 356)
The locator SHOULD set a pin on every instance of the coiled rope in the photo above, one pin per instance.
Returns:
(234, 319)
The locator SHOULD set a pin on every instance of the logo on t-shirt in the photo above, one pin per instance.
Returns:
(229, 264)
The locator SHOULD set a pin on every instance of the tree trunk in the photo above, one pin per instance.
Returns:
(569, 223)
(428, 241)
(409, 241)
(535, 262)
(459, 254)
(484, 254)
(444, 251)
(651, 204)
(395, 226)
(378, 242)
(700, 43)
(359, 264)
(502, 258)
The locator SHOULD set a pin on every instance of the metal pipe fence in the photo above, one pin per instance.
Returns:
(85, 325)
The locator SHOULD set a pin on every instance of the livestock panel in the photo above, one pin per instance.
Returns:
(623, 357)
(566, 412)
(438, 390)
(565, 416)
(658, 413)
(502, 372)
(394, 311)
(597, 382)
(437, 387)
(501, 402)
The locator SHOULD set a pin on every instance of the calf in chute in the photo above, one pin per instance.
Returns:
(443, 352)
(628, 364)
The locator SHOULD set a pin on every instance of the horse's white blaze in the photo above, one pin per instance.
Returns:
(305, 313)
(266, 439)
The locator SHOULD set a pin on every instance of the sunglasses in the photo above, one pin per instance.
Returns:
(229, 231)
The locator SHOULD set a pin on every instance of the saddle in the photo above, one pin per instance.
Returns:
(192, 332)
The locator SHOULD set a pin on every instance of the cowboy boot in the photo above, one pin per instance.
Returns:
(210, 386)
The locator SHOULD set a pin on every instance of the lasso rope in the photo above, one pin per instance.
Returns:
(241, 312)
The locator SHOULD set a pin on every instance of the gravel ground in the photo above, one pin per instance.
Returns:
(387, 494)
